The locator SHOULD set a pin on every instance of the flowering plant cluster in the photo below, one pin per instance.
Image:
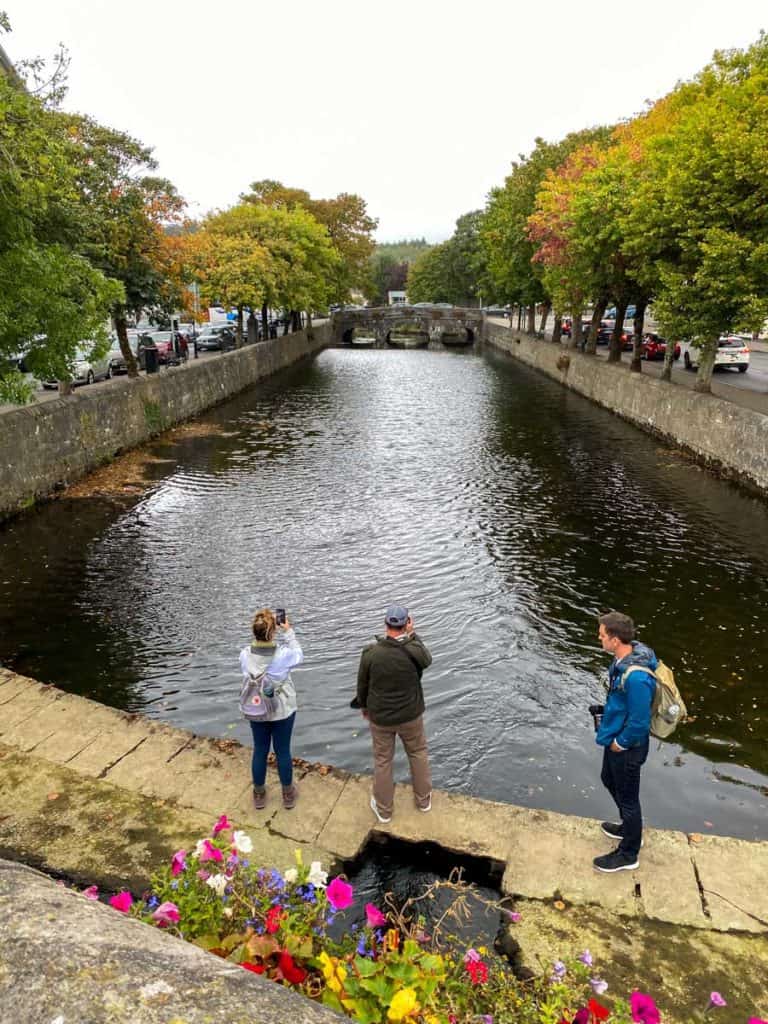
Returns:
(275, 924)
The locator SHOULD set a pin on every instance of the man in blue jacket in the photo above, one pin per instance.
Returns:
(623, 733)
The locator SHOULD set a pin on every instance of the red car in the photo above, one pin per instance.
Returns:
(655, 347)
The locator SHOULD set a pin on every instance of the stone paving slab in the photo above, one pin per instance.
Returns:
(544, 854)
(733, 874)
(11, 684)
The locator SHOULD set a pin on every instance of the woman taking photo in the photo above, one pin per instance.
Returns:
(274, 648)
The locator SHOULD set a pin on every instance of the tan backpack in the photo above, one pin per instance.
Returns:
(668, 708)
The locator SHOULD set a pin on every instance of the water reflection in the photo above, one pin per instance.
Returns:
(506, 511)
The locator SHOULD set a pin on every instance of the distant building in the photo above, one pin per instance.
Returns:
(397, 298)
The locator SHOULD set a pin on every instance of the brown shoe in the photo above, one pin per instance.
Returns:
(290, 796)
(259, 797)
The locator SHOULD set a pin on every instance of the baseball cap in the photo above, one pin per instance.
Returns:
(396, 616)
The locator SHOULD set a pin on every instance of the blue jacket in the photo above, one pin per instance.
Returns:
(627, 715)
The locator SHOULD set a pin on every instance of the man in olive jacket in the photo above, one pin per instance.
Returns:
(391, 698)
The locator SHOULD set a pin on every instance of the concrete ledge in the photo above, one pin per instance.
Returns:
(46, 446)
(719, 433)
(93, 792)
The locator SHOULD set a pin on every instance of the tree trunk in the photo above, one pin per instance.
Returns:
(519, 317)
(121, 326)
(310, 332)
(295, 320)
(594, 326)
(65, 387)
(557, 329)
(286, 324)
(544, 315)
(531, 325)
(638, 325)
(706, 366)
(614, 350)
(577, 335)
(264, 321)
(239, 331)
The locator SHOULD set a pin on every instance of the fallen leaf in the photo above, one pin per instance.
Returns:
(559, 905)
(695, 837)
(53, 796)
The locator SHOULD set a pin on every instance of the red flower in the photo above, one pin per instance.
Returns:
(598, 1012)
(295, 975)
(256, 968)
(477, 971)
(274, 917)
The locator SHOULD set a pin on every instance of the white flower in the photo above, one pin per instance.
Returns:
(242, 842)
(317, 876)
(199, 848)
(291, 876)
(218, 883)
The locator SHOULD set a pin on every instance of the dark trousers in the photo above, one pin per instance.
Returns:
(621, 777)
(278, 736)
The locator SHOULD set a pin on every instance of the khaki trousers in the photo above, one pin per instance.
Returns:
(414, 741)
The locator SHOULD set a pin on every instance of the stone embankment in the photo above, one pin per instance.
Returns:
(47, 446)
(726, 437)
(97, 795)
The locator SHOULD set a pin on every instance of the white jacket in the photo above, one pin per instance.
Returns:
(280, 657)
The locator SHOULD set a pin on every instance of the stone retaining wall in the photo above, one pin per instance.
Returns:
(45, 446)
(724, 436)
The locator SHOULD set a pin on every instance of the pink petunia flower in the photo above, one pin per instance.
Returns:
(166, 913)
(203, 875)
(91, 893)
(340, 894)
(472, 957)
(178, 862)
(222, 824)
(208, 851)
(756, 1020)
(514, 916)
(374, 916)
(644, 1010)
(122, 902)
(715, 999)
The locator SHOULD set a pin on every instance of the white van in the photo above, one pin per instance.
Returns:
(731, 351)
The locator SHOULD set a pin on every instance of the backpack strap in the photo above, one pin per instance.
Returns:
(635, 668)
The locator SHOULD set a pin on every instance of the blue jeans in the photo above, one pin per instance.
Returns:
(278, 735)
(621, 777)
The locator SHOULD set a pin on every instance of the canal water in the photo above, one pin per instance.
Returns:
(505, 511)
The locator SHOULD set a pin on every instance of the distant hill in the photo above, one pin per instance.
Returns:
(404, 251)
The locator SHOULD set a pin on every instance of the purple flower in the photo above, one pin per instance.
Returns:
(598, 986)
(582, 1017)
(486, 1018)
(472, 957)
(715, 999)
(586, 958)
(513, 916)
(559, 969)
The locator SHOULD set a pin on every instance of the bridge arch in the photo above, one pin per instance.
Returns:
(451, 326)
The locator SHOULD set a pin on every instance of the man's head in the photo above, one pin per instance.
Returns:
(615, 632)
(396, 619)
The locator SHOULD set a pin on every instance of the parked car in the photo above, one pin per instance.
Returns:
(216, 337)
(731, 351)
(86, 369)
(163, 342)
(496, 311)
(115, 354)
(654, 347)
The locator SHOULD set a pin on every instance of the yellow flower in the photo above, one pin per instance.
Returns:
(327, 965)
(403, 1004)
(334, 973)
(393, 939)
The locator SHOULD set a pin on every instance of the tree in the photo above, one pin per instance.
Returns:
(504, 233)
(453, 271)
(282, 257)
(51, 298)
(700, 213)
(346, 219)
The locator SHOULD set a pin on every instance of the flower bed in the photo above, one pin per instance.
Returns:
(275, 923)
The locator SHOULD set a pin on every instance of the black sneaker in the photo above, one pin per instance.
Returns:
(617, 860)
(613, 829)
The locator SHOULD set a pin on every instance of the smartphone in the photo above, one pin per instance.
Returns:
(280, 616)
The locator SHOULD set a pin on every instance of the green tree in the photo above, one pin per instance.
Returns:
(453, 271)
(51, 298)
(700, 213)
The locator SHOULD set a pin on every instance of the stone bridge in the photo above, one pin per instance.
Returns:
(447, 325)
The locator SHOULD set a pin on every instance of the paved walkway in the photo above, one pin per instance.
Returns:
(64, 753)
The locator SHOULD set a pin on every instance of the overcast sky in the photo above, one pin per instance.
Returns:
(418, 106)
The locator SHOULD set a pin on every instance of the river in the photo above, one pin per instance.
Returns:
(505, 511)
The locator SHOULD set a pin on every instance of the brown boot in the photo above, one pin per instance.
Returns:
(259, 797)
(290, 796)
